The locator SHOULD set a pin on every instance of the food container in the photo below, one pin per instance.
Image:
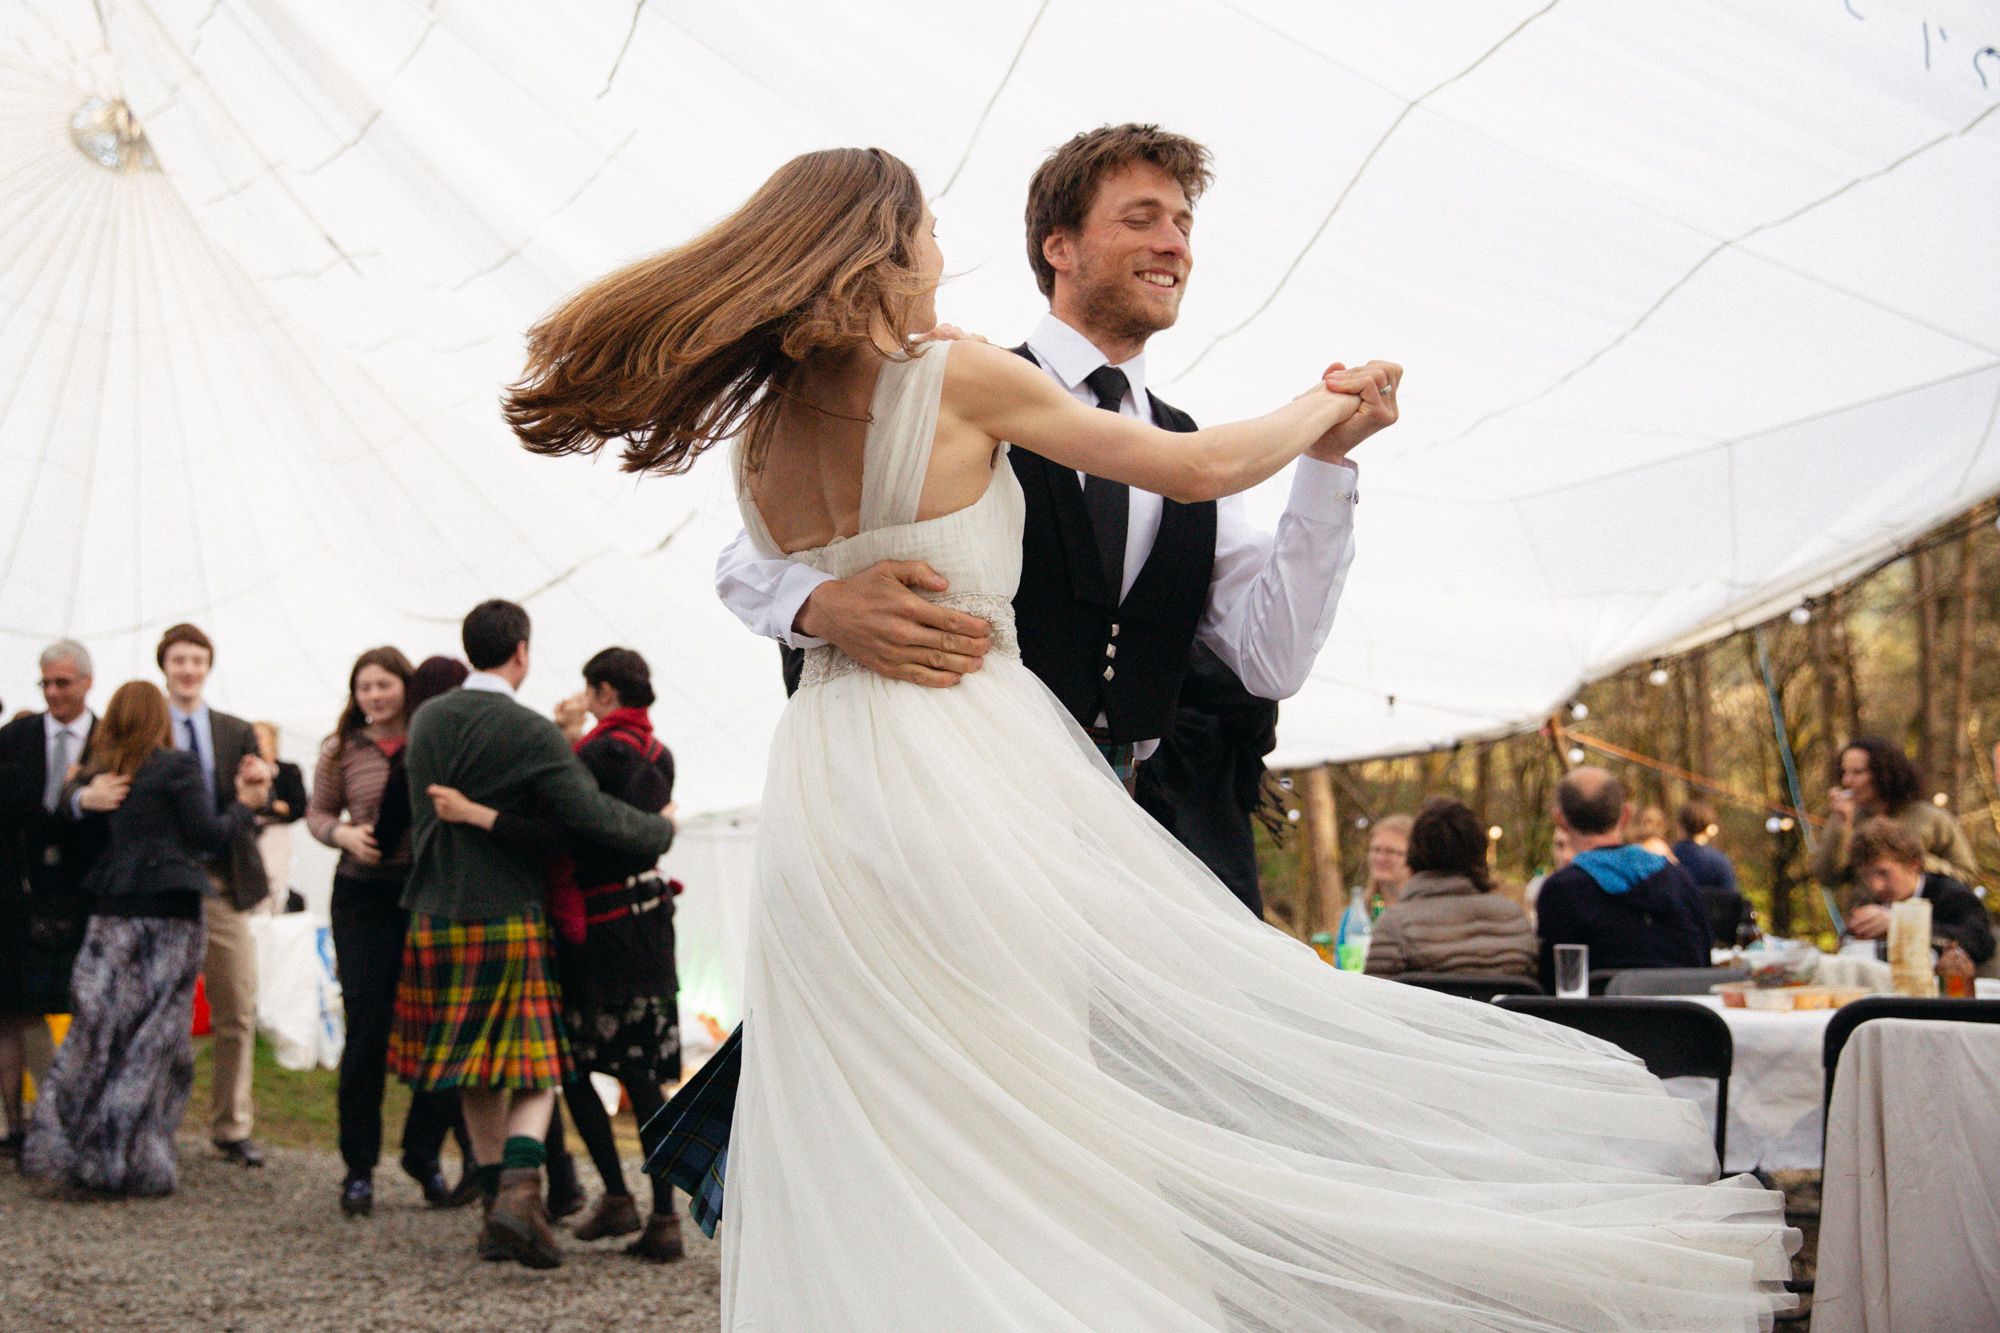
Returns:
(1743, 995)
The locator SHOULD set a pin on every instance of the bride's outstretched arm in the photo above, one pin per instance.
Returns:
(1005, 398)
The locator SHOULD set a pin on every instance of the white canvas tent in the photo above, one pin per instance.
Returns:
(1698, 304)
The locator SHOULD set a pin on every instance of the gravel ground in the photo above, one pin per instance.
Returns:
(240, 1249)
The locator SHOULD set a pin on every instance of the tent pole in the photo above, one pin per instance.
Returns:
(1792, 770)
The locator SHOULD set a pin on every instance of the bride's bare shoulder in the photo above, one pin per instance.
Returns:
(979, 372)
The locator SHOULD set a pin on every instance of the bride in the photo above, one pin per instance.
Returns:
(1015, 1060)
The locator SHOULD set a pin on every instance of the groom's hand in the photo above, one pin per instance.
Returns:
(878, 621)
(1376, 384)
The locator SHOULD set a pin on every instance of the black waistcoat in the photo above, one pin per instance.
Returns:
(1071, 632)
(1098, 655)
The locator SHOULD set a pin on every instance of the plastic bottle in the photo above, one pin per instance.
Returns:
(1351, 944)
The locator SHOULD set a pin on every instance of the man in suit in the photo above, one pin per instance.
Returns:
(477, 1005)
(1117, 586)
(43, 856)
(221, 741)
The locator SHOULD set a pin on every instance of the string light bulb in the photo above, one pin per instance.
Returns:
(1657, 676)
(1576, 754)
(1801, 614)
(1940, 799)
(1493, 834)
(1579, 710)
(1361, 821)
(1293, 816)
(1771, 825)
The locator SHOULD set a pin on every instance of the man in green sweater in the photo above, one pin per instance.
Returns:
(478, 1006)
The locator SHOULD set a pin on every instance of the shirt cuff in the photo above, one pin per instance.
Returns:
(1318, 487)
(798, 583)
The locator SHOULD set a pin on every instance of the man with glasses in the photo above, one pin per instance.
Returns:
(43, 909)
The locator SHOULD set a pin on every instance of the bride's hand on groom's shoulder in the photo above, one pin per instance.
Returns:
(877, 619)
(950, 333)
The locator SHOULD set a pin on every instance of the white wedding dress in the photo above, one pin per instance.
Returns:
(1015, 1060)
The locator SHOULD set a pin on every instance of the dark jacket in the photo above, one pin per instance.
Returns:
(1657, 922)
(238, 864)
(42, 855)
(288, 784)
(1958, 915)
(1715, 879)
(511, 758)
(163, 835)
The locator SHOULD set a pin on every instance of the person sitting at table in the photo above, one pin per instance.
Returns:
(1889, 866)
(1877, 778)
(1448, 918)
(1713, 875)
(1632, 907)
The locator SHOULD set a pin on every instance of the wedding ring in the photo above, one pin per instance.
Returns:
(1388, 389)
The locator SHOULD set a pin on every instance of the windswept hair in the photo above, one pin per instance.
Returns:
(1065, 185)
(680, 351)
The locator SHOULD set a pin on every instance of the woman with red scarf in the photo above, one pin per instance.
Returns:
(613, 918)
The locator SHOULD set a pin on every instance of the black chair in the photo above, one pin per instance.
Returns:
(1853, 1014)
(1672, 980)
(1676, 1039)
(1600, 979)
(1480, 986)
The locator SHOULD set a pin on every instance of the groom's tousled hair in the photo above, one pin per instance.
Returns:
(1064, 186)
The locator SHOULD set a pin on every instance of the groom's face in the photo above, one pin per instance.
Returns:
(1129, 263)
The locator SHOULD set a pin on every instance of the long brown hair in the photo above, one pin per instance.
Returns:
(680, 351)
(352, 719)
(134, 727)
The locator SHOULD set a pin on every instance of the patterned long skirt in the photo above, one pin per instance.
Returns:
(106, 1117)
(478, 1006)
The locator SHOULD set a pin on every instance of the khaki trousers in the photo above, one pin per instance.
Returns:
(230, 972)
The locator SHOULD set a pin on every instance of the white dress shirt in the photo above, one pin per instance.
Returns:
(1271, 597)
(490, 682)
(54, 766)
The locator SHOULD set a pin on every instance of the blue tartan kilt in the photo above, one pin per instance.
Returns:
(693, 1150)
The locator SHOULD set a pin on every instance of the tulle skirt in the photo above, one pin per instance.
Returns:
(1017, 1061)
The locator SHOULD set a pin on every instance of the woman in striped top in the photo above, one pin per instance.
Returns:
(368, 927)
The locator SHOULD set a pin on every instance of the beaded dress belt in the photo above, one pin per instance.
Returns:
(827, 662)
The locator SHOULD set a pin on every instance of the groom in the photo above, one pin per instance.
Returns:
(1117, 586)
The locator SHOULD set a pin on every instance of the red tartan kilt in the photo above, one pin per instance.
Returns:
(478, 1005)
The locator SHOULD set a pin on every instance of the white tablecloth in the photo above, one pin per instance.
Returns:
(1775, 1087)
(1910, 1217)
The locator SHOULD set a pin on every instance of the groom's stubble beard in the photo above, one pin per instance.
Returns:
(1111, 310)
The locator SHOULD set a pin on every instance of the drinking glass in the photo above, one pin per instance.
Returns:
(1572, 971)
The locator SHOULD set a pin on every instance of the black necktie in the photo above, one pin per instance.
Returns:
(1105, 500)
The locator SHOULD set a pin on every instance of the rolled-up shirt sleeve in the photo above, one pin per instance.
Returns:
(766, 592)
(1272, 596)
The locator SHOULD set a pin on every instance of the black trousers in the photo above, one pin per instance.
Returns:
(368, 929)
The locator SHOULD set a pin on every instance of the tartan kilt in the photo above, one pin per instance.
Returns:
(692, 1152)
(478, 1005)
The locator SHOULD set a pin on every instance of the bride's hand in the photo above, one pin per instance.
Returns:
(949, 333)
(1371, 391)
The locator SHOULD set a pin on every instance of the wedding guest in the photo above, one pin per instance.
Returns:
(614, 942)
(220, 742)
(1649, 830)
(369, 923)
(121, 1079)
(1448, 918)
(1388, 859)
(1889, 864)
(43, 857)
(1876, 778)
(1713, 875)
(1633, 908)
(477, 1007)
(1561, 852)
(424, 1135)
(286, 807)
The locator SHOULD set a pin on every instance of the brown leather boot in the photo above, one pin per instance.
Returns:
(661, 1243)
(613, 1215)
(489, 1249)
(518, 1226)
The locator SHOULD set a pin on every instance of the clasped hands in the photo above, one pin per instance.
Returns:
(107, 791)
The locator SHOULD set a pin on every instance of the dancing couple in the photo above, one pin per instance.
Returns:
(1012, 1058)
